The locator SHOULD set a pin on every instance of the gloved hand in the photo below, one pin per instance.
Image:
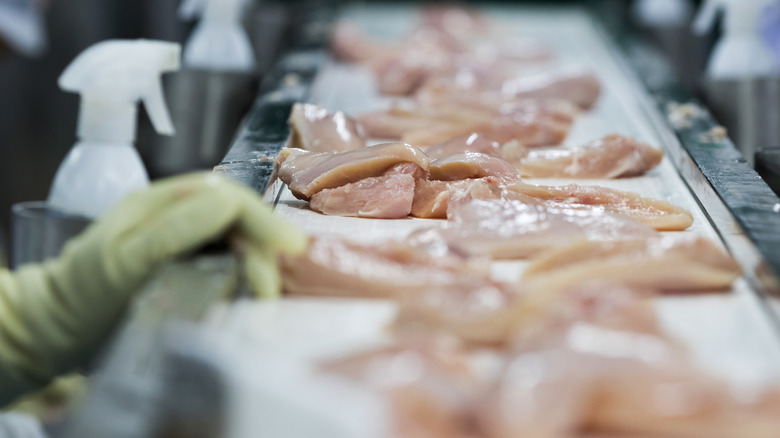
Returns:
(53, 317)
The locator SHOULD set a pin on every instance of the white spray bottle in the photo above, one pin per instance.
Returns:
(663, 13)
(219, 41)
(112, 77)
(741, 52)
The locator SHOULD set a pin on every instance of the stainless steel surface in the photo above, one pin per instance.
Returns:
(40, 233)
(750, 109)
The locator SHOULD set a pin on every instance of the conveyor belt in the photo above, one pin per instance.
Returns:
(731, 334)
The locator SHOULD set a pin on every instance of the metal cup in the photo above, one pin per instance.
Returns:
(40, 233)
(206, 108)
(750, 109)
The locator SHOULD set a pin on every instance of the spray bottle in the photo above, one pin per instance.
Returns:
(743, 80)
(112, 77)
(663, 13)
(219, 41)
(211, 94)
(741, 51)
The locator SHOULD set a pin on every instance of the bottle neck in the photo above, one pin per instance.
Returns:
(102, 121)
(743, 18)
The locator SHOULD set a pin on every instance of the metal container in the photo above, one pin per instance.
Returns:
(40, 233)
(206, 108)
(750, 110)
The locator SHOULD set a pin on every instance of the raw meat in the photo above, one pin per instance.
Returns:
(512, 317)
(431, 198)
(472, 165)
(475, 311)
(658, 214)
(614, 156)
(512, 151)
(451, 92)
(573, 83)
(530, 130)
(669, 263)
(432, 125)
(430, 387)
(307, 173)
(381, 197)
(393, 123)
(505, 229)
(621, 383)
(339, 268)
(318, 130)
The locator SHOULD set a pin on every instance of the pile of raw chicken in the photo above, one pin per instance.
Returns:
(576, 349)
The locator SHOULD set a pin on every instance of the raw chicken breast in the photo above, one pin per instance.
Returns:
(614, 156)
(430, 387)
(449, 92)
(505, 229)
(531, 130)
(318, 130)
(381, 197)
(658, 214)
(572, 83)
(307, 173)
(431, 198)
(393, 123)
(475, 311)
(512, 151)
(432, 125)
(472, 165)
(669, 263)
(516, 317)
(619, 383)
(339, 268)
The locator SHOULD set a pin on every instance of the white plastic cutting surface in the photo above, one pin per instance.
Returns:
(729, 334)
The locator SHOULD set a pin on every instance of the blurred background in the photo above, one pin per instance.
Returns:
(38, 120)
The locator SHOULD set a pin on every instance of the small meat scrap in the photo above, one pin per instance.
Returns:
(613, 156)
(307, 173)
(573, 83)
(318, 130)
(380, 197)
(340, 268)
(661, 215)
(472, 165)
(505, 229)
(667, 263)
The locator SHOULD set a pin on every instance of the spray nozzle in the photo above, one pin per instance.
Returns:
(705, 18)
(112, 76)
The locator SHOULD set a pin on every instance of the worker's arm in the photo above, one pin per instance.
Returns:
(53, 317)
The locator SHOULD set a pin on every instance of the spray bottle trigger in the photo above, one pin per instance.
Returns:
(705, 19)
(154, 102)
